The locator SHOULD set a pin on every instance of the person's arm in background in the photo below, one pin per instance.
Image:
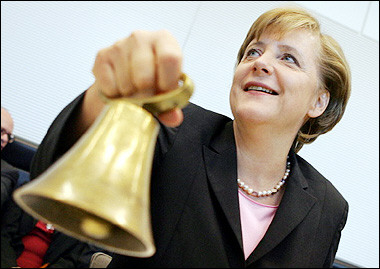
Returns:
(9, 177)
(11, 219)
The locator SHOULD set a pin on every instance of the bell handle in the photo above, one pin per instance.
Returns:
(163, 101)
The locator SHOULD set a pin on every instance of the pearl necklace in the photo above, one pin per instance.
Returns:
(272, 191)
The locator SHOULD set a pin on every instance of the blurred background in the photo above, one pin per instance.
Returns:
(48, 49)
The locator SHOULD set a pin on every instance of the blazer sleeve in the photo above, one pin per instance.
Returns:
(335, 242)
(56, 142)
(11, 219)
(9, 177)
(8, 183)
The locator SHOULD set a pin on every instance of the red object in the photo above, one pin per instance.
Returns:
(36, 244)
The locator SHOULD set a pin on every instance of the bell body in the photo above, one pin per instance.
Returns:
(99, 191)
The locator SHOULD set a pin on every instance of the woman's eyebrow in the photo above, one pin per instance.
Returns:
(257, 43)
(289, 49)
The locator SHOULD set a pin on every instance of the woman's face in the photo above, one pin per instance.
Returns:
(276, 81)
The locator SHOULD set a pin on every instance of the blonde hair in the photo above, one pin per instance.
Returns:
(334, 71)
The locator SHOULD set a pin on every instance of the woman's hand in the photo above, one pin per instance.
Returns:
(143, 64)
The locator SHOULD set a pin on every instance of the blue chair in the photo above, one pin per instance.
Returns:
(20, 154)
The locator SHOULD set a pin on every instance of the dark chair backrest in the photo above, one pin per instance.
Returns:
(19, 154)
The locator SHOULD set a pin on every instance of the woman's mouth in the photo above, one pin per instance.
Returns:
(260, 89)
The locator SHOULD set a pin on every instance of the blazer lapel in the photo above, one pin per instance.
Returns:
(221, 167)
(295, 205)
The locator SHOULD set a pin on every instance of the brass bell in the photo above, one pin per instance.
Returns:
(99, 191)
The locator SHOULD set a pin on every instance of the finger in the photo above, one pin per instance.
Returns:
(120, 53)
(104, 74)
(169, 60)
(142, 61)
(172, 118)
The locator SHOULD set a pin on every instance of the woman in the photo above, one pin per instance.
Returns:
(249, 199)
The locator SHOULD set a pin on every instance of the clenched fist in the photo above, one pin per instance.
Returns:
(143, 64)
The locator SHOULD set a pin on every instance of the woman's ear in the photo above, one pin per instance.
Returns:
(320, 104)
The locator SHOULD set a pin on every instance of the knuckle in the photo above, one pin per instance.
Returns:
(164, 32)
(138, 34)
(102, 55)
(117, 48)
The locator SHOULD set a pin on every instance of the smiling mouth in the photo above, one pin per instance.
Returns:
(260, 89)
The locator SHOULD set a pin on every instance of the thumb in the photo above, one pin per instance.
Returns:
(171, 118)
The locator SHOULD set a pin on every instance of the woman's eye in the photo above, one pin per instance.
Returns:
(253, 53)
(290, 59)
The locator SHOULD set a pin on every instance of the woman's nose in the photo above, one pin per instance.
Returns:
(262, 66)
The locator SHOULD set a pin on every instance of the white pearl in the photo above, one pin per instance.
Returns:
(274, 190)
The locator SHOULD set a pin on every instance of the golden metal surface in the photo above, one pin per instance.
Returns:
(164, 101)
(99, 190)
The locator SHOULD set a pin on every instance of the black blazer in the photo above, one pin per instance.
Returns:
(9, 177)
(194, 200)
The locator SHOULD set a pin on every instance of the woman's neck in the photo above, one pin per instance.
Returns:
(261, 154)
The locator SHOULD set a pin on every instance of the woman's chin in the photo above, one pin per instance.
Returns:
(249, 114)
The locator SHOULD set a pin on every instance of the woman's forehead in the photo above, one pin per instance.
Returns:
(279, 33)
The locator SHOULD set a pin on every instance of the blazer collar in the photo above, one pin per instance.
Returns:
(221, 167)
(294, 207)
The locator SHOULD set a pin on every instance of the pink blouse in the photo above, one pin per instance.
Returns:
(255, 219)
